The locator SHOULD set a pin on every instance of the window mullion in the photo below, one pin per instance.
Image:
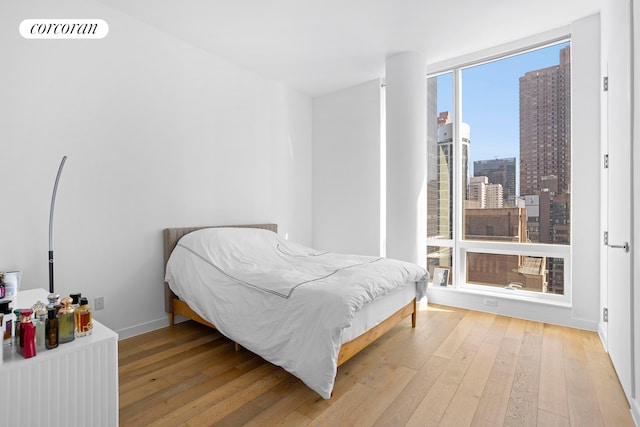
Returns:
(458, 206)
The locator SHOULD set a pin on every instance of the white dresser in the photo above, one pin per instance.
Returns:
(75, 384)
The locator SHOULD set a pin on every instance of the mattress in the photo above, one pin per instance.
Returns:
(377, 311)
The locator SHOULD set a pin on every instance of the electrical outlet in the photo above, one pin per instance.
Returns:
(491, 302)
(98, 303)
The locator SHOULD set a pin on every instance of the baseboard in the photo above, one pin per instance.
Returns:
(603, 337)
(507, 306)
(635, 412)
(152, 325)
(142, 328)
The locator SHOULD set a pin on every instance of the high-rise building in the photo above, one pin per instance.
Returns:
(495, 196)
(477, 193)
(484, 195)
(432, 157)
(545, 126)
(443, 118)
(499, 171)
(445, 173)
(545, 158)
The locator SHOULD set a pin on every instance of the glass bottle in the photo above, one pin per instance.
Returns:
(75, 303)
(7, 322)
(2, 344)
(83, 318)
(66, 330)
(75, 300)
(16, 328)
(40, 322)
(39, 318)
(51, 329)
(11, 279)
(23, 316)
(27, 335)
(54, 302)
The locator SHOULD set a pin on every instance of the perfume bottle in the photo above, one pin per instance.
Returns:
(27, 335)
(7, 322)
(75, 300)
(51, 329)
(40, 322)
(11, 280)
(83, 318)
(2, 344)
(54, 302)
(66, 330)
(39, 319)
(16, 328)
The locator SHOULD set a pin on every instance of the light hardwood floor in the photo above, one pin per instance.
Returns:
(457, 368)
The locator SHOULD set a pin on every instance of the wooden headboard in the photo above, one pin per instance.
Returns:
(171, 237)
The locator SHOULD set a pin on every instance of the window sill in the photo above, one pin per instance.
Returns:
(515, 296)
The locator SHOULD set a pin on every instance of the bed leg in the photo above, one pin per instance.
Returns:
(414, 315)
(171, 320)
(236, 346)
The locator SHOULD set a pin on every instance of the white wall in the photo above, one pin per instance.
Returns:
(635, 402)
(158, 133)
(347, 170)
(586, 163)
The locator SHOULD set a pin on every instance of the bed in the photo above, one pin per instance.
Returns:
(285, 312)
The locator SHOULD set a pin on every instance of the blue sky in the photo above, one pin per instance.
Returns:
(490, 103)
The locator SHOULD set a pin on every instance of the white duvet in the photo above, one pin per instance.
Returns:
(283, 301)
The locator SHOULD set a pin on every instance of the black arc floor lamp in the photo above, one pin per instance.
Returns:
(53, 298)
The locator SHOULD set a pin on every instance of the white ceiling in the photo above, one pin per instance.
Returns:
(319, 46)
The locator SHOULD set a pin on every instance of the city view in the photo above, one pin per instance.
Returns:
(515, 167)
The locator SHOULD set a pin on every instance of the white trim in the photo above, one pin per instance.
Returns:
(383, 169)
(635, 412)
(445, 243)
(142, 328)
(515, 248)
(458, 188)
(488, 292)
(603, 336)
(507, 49)
(535, 310)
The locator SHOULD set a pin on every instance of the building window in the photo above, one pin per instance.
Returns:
(499, 173)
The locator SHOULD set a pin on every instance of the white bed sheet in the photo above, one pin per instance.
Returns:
(378, 311)
(283, 301)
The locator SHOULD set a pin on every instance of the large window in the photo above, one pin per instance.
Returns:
(499, 173)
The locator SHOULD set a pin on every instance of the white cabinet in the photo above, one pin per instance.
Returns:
(75, 384)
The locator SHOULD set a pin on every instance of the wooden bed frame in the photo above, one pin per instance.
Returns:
(173, 305)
